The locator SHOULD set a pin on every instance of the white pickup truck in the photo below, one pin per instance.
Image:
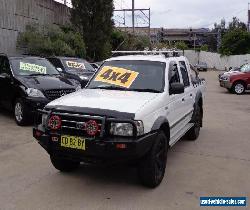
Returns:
(134, 108)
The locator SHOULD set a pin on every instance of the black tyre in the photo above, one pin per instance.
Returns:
(194, 132)
(239, 88)
(152, 168)
(63, 164)
(21, 113)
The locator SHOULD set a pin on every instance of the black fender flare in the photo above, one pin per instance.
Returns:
(198, 97)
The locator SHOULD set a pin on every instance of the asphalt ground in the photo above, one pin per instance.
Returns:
(217, 164)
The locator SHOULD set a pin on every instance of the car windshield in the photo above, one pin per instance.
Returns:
(32, 66)
(245, 68)
(144, 76)
(77, 65)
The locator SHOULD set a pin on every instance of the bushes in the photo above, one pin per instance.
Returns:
(51, 40)
(124, 41)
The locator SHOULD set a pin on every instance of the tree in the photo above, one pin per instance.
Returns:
(181, 45)
(204, 47)
(121, 40)
(235, 42)
(93, 19)
(237, 24)
(51, 40)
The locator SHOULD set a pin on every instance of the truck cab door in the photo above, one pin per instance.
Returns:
(189, 95)
(175, 107)
(6, 83)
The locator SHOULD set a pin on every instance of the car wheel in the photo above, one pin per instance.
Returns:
(194, 132)
(239, 88)
(20, 113)
(64, 165)
(152, 167)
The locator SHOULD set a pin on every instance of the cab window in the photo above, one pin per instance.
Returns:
(173, 76)
(184, 73)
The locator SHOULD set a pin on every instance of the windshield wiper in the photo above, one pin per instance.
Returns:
(145, 90)
(37, 75)
(109, 88)
(126, 89)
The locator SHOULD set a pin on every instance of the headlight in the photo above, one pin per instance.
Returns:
(126, 129)
(34, 93)
(121, 129)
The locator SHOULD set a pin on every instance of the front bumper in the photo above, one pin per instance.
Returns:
(98, 149)
(225, 84)
(33, 104)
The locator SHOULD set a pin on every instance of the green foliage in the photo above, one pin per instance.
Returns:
(181, 45)
(124, 41)
(204, 47)
(235, 42)
(237, 24)
(235, 38)
(93, 19)
(51, 40)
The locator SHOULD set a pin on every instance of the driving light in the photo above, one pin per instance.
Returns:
(32, 92)
(55, 122)
(121, 129)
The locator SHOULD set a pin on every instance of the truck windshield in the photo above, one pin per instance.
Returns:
(32, 66)
(143, 76)
(77, 65)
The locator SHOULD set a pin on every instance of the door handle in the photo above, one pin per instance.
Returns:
(191, 95)
(183, 99)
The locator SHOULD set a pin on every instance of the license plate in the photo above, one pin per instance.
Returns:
(73, 142)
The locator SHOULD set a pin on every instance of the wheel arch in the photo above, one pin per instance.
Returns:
(198, 103)
(240, 81)
(162, 124)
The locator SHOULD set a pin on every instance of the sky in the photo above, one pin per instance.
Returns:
(183, 13)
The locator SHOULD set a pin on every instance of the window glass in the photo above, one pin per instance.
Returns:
(32, 66)
(144, 76)
(184, 73)
(173, 73)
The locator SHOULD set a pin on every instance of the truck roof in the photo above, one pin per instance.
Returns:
(159, 58)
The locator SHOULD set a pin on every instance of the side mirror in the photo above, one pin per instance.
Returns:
(176, 88)
(4, 76)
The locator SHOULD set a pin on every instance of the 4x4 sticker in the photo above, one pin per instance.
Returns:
(33, 68)
(117, 76)
(75, 65)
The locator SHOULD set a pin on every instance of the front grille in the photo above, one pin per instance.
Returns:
(55, 94)
(71, 124)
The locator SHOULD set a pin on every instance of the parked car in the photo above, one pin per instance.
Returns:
(237, 82)
(75, 68)
(29, 83)
(202, 66)
(134, 108)
(231, 70)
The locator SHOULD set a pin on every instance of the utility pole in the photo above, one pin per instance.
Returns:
(133, 16)
(248, 15)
